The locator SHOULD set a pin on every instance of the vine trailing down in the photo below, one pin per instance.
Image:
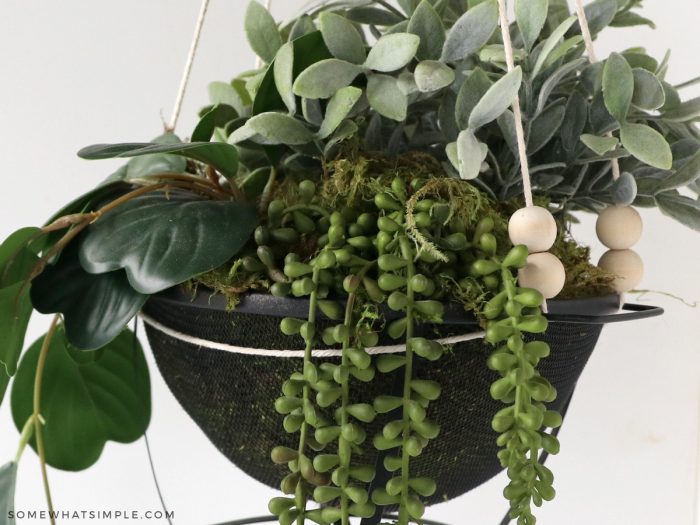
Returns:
(368, 168)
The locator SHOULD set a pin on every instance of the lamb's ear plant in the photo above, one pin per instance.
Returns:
(368, 166)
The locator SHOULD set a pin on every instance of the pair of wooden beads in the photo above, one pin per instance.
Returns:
(619, 228)
(536, 228)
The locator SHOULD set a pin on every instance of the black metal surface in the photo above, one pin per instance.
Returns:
(231, 396)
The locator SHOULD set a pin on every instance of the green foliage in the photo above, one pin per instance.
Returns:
(8, 479)
(87, 399)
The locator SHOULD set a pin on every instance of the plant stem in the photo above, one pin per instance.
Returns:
(407, 253)
(36, 416)
(24, 438)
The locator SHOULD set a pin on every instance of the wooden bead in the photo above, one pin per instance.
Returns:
(619, 227)
(627, 265)
(534, 227)
(543, 272)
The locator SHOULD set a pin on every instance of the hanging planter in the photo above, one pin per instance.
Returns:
(357, 277)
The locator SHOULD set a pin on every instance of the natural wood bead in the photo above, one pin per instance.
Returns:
(543, 272)
(619, 227)
(534, 227)
(627, 265)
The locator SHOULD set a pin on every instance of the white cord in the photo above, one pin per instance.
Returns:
(188, 67)
(519, 131)
(213, 345)
(588, 40)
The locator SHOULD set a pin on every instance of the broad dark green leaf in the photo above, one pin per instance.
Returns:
(601, 120)
(618, 86)
(153, 164)
(324, 78)
(497, 99)
(545, 126)
(216, 117)
(96, 308)
(386, 98)
(647, 145)
(427, 24)
(8, 479)
(473, 29)
(261, 29)
(86, 403)
(530, 16)
(164, 240)
(681, 208)
(473, 88)
(342, 38)
(392, 52)
(221, 156)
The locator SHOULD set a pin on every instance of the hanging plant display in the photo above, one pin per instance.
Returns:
(372, 227)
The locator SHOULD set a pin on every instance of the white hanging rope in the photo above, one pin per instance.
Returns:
(519, 131)
(188, 67)
(213, 345)
(588, 40)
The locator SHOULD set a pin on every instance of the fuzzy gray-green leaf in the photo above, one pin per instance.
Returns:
(339, 106)
(342, 38)
(386, 98)
(470, 155)
(427, 25)
(392, 52)
(647, 145)
(324, 78)
(530, 16)
(284, 75)
(496, 100)
(618, 86)
(277, 128)
(684, 209)
(550, 44)
(688, 173)
(600, 145)
(431, 75)
(261, 29)
(648, 91)
(473, 88)
(471, 31)
(545, 126)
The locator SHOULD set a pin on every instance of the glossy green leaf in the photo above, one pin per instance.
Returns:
(550, 44)
(431, 75)
(471, 31)
(648, 91)
(273, 128)
(386, 98)
(164, 240)
(85, 402)
(221, 156)
(600, 145)
(681, 208)
(339, 106)
(496, 100)
(324, 78)
(530, 16)
(8, 480)
(283, 70)
(427, 25)
(217, 117)
(96, 308)
(261, 30)
(17, 310)
(342, 38)
(618, 86)
(392, 52)
(473, 89)
(647, 145)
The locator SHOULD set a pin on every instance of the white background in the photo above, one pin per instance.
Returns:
(78, 72)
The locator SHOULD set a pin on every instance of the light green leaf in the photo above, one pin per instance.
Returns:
(600, 145)
(284, 75)
(473, 88)
(339, 106)
(324, 78)
(386, 97)
(530, 16)
(392, 52)
(551, 43)
(618, 86)
(647, 145)
(346, 130)
(164, 240)
(471, 31)
(600, 13)
(276, 128)
(85, 402)
(545, 126)
(470, 154)
(496, 100)
(562, 49)
(8, 479)
(303, 26)
(427, 25)
(233, 94)
(261, 29)
(648, 91)
(553, 80)
(342, 38)
(431, 75)
(631, 19)
(681, 208)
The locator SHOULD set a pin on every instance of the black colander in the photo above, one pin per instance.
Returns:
(231, 395)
